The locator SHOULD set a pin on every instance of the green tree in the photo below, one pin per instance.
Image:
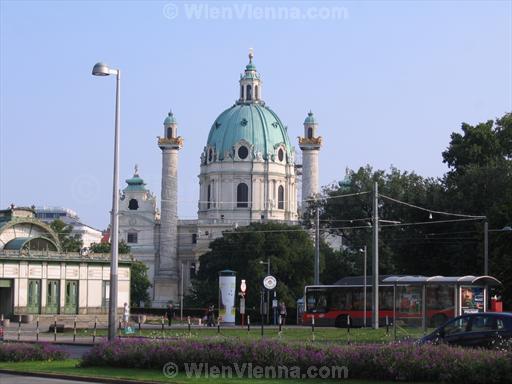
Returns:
(289, 248)
(479, 182)
(68, 242)
(139, 284)
(105, 247)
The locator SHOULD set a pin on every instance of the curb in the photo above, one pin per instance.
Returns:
(86, 379)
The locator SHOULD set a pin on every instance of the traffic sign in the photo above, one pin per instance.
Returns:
(269, 282)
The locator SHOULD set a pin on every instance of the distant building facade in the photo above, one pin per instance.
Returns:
(88, 234)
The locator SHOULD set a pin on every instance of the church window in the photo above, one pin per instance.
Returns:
(243, 152)
(242, 195)
(210, 155)
(194, 238)
(132, 238)
(242, 92)
(209, 196)
(280, 154)
(310, 133)
(133, 205)
(280, 197)
(169, 132)
(256, 92)
(249, 92)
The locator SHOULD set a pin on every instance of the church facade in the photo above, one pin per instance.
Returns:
(248, 173)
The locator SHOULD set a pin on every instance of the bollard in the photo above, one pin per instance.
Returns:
(2, 319)
(37, 328)
(313, 327)
(280, 323)
(248, 323)
(140, 329)
(74, 330)
(19, 327)
(188, 321)
(162, 323)
(387, 326)
(348, 323)
(55, 328)
(120, 326)
(94, 330)
(218, 325)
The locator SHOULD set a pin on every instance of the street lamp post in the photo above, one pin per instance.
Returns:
(101, 69)
(364, 286)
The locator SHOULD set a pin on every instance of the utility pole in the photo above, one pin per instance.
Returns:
(375, 258)
(317, 247)
(486, 247)
(365, 284)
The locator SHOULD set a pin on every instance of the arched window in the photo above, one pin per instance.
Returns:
(280, 197)
(210, 155)
(280, 154)
(310, 133)
(133, 204)
(242, 92)
(169, 132)
(209, 196)
(249, 92)
(242, 195)
(256, 92)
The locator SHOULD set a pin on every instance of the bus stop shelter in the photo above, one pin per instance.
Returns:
(455, 294)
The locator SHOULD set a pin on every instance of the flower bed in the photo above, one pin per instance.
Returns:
(33, 351)
(387, 362)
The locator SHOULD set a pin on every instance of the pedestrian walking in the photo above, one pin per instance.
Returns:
(210, 317)
(169, 313)
(126, 315)
(282, 312)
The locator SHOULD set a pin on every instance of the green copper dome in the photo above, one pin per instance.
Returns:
(170, 119)
(135, 183)
(253, 123)
(310, 119)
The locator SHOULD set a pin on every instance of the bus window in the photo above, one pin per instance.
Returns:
(386, 298)
(316, 301)
(440, 297)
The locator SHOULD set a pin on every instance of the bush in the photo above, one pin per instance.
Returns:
(400, 361)
(25, 351)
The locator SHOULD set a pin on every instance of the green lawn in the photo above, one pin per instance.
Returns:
(356, 335)
(68, 367)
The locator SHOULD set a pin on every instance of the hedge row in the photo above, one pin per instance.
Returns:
(33, 351)
(400, 361)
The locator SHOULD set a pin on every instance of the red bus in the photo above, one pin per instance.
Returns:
(331, 305)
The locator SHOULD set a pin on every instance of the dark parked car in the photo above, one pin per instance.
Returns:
(487, 329)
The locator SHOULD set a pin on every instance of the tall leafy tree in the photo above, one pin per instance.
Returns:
(139, 284)
(106, 247)
(289, 248)
(68, 242)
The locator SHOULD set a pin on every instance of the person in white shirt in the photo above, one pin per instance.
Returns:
(126, 315)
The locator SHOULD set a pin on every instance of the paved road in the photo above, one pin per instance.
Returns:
(17, 379)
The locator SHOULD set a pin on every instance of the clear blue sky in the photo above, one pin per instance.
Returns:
(388, 82)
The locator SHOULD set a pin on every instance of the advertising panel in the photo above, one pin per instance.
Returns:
(472, 299)
(227, 286)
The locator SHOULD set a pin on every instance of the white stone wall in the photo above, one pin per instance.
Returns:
(90, 277)
(263, 179)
